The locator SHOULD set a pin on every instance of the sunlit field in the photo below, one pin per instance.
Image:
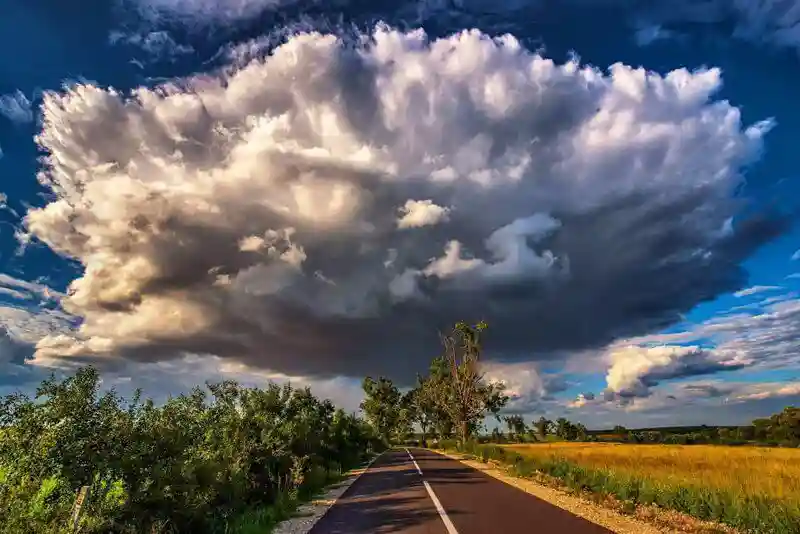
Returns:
(756, 471)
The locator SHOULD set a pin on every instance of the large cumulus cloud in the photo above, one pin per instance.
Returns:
(258, 213)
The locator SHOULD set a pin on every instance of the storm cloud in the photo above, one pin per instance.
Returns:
(257, 213)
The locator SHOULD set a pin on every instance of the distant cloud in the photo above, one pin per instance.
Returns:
(754, 290)
(16, 107)
(634, 370)
(647, 35)
(157, 45)
(793, 276)
(796, 255)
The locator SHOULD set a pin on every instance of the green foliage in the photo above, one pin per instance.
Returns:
(194, 464)
(385, 409)
(542, 426)
(516, 427)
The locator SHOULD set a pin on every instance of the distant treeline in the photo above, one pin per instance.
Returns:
(781, 429)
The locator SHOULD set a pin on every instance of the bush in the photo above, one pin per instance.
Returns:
(186, 466)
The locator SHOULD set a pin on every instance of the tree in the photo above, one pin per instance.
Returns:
(422, 403)
(462, 392)
(542, 426)
(516, 426)
(565, 429)
(382, 406)
(580, 431)
(620, 430)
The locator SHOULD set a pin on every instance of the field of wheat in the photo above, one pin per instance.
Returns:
(750, 471)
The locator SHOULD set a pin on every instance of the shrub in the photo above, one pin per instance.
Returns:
(185, 466)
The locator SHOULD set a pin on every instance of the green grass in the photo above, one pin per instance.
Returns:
(747, 513)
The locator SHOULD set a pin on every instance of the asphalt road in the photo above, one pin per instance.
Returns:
(443, 496)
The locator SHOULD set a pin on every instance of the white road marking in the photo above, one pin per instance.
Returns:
(451, 529)
(414, 461)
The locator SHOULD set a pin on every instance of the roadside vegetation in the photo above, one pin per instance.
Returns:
(235, 460)
(220, 459)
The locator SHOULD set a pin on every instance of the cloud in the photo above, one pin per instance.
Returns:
(157, 45)
(418, 213)
(636, 369)
(796, 255)
(582, 400)
(649, 34)
(754, 290)
(589, 204)
(761, 337)
(16, 107)
(210, 11)
(528, 389)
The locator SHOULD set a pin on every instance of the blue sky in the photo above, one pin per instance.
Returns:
(629, 237)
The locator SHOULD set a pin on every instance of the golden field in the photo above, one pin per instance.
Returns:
(756, 471)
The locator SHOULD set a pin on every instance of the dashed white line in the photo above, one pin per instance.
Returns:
(451, 528)
(414, 461)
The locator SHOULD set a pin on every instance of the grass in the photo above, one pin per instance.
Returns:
(753, 490)
(750, 471)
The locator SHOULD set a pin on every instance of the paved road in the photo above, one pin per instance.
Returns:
(447, 497)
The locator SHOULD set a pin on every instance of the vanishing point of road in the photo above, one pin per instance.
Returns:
(417, 491)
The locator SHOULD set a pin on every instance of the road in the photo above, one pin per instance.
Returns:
(422, 492)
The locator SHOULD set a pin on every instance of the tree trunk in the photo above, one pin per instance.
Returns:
(463, 431)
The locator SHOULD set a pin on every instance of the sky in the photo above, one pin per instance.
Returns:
(307, 190)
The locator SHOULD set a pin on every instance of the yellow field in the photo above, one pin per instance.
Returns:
(749, 470)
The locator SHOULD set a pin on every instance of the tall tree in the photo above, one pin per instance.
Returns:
(542, 426)
(465, 396)
(516, 426)
(381, 406)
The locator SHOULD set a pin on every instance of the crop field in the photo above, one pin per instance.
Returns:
(745, 471)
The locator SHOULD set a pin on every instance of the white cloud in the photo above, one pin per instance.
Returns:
(556, 192)
(796, 255)
(635, 369)
(418, 213)
(754, 290)
(16, 107)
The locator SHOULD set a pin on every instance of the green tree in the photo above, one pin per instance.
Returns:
(542, 426)
(382, 406)
(565, 429)
(516, 427)
(422, 401)
(462, 393)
